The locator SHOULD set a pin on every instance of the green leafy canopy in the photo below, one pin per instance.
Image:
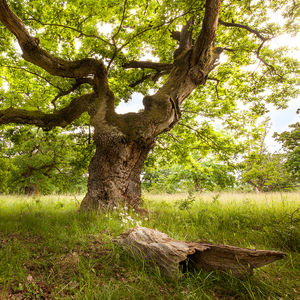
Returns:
(118, 32)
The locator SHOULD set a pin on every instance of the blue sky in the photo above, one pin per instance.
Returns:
(280, 120)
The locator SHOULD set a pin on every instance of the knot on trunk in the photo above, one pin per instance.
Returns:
(197, 75)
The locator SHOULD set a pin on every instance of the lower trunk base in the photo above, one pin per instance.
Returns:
(114, 173)
(108, 196)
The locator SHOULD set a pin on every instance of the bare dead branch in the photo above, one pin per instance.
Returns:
(171, 256)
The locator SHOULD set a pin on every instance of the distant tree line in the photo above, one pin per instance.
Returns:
(34, 161)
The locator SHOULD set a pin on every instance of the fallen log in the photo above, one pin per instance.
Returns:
(174, 257)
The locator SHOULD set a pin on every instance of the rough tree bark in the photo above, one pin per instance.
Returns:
(32, 190)
(122, 141)
(114, 172)
(175, 257)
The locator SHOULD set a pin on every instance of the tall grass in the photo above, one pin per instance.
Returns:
(50, 250)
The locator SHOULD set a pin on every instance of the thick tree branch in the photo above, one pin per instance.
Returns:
(144, 78)
(229, 50)
(154, 77)
(208, 31)
(36, 55)
(186, 37)
(158, 75)
(148, 65)
(176, 35)
(61, 118)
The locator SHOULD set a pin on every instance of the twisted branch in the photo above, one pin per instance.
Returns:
(256, 32)
(33, 53)
(78, 83)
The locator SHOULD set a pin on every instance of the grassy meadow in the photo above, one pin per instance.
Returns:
(50, 250)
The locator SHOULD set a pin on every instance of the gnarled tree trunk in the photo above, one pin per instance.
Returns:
(114, 172)
(122, 141)
(32, 190)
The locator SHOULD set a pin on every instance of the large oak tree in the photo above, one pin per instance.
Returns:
(82, 57)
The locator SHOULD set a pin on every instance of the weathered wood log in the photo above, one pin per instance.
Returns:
(174, 257)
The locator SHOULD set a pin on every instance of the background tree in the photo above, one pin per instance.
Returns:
(206, 175)
(290, 141)
(5, 174)
(266, 170)
(182, 158)
(73, 71)
(46, 161)
(192, 176)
